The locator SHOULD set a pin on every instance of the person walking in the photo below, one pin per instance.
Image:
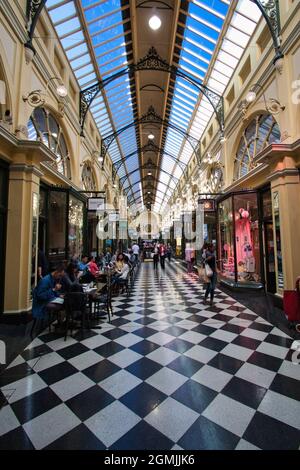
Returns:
(169, 252)
(136, 251)
(188, 258)
(155, 256)
(210, 261)
(162, 255)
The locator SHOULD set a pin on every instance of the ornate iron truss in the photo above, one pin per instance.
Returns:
(271, 12)
(149, 147)
(151, 117)
(33, 11)
(144, 167)
(150, 186)
(152, 61)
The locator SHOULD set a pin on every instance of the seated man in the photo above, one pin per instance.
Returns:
(47, 290)
(82, 265)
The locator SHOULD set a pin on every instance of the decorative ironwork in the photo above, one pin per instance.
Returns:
(33, 11)
(155, 180)
(271, 12)
(144, 167)
(149, 147)
(152, 61)
(150, 117)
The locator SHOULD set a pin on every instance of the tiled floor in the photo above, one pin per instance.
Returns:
(169, 372)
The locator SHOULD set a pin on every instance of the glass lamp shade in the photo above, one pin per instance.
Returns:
(62, 91)
(251, 97)
(155, 22)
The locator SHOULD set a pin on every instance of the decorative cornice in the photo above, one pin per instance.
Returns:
(283, 173)
(277, 151)
(242, 182)
(23, 168)
(50, 169)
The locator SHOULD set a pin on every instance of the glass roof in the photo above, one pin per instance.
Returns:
(92, 35)
(191, 110)
(100, 24)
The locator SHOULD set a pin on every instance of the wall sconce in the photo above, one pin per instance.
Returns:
(37, 98)
(272, 105)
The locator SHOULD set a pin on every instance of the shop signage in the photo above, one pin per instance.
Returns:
(96, 204)
(123, 224)
(208, 205)
(113, 217)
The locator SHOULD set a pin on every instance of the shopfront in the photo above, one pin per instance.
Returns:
(246, 232)
(62, 223)
(3, 215)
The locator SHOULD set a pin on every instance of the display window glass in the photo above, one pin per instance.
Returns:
(75, 236)
(57, 226)
(247, 239)
(226, 240)
(239, 239)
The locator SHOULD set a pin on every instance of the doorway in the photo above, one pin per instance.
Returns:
(270, 257)
(268, 241)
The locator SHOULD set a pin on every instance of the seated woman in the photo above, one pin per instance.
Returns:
(119, 262)
(120, 276)
(92, 267)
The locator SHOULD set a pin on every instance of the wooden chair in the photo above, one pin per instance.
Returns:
(75, 303)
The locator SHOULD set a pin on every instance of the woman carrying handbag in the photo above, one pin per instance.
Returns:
(211, 273)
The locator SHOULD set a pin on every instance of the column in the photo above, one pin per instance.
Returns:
(285, 184)
(24, 179)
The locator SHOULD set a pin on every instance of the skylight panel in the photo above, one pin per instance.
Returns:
(223, 69)
(63, 11)
(249, 9)
(237, 37)
(233, 49)
(68, 27)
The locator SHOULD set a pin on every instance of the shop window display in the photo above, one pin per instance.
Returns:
(75, 227)
(239, 241)
(247, 238)
(226, 240)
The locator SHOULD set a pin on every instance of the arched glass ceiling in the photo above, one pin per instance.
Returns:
(92, 34)
(190, 109)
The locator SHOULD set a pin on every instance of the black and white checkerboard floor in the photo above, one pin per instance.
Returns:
(168, 373)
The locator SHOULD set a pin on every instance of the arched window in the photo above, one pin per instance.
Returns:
(88, 178)
(260, 133)
(43, 126)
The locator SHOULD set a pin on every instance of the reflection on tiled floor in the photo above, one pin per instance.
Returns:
(169, 372)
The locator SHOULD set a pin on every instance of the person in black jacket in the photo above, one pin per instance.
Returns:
(210, 259)
(69, 281)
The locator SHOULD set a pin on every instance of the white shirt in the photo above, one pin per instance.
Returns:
(136, 249)
(124, 271)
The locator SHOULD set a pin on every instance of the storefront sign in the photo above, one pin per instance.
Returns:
(113, 217)
(208, 205)
(96, 204)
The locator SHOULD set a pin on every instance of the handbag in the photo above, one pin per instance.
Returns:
(202, 275)
(208, 271)
(291, 303)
